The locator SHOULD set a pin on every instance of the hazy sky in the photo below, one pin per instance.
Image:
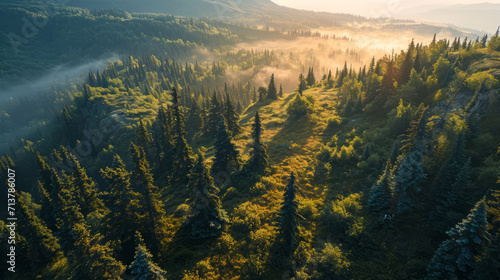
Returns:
(371, 8)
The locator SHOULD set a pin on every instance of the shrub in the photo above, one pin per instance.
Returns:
(258, 188)
(301, 105)
(343, 215)
(494, 44)
(477, 80)
(332, 261)
(308, 210)
(246, 218)
(333, 122)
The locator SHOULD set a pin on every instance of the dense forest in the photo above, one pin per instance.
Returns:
(167, 165)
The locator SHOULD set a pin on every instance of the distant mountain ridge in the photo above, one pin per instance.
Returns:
(481, 16)
(191, 8)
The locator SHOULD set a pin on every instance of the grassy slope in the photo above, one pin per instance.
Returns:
(292, 145)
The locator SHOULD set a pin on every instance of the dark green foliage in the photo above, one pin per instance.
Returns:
(194, 122)
(45, 189)
(163, 138)
(408, 169)
(93, 259)
(271, 90)
(226, 158)
(85, 190)
(67, 213)
(379, 201)
(151, 206)
(59, 209)
(239, 108)
(405, 69)
(232, 118)
(258, 155)
(213, 116)
(302, 84)
(310, 79)
(488, 263)
(182, 151)
(456, 257)
(280, 93)
(123, 205)
(288, 219)
(143, 267)
(143, 137)
(42, 246)
(89, 34)
(387, 86)
(207, 217)
(262, 93)
(452, 180)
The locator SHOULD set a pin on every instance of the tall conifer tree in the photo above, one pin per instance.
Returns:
(226, 155)
(232, 118)
(456, 257)
(207, 217)
(288, 219)
(182, 161)
(143, 267)
(258, 155)
(152, 207)
(271, 90)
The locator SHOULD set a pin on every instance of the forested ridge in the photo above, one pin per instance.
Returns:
(37, 38)
(159, 168)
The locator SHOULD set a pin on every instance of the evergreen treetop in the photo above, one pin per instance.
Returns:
(207, 217)
(143, 267)
(271, 90)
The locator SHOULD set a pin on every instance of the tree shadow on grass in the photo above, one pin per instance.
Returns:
(295, 131)
(250, 111)
(183, 253)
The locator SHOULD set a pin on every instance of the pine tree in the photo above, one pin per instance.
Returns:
(271, 90)
(452, 179)
(182, 161)
(85, 191)
(405, 70)
(93, 259)
(66, 212)
(456, 257)
(262, 93)
(207, 217)
(387, 86)
(226, 156)
(143, 267)
(152, 207)
(213, 116)
(280, 94)
(488, 263)
(310, 79)
(408, 170)
(194, 121)
(123, 205)
(143, 138)
(288, 219)
(232, 118)
(45, 189)
(239, 108)
(258, 155)
(302, 84)
(381, 192)
(163, 138)
(43, 248)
